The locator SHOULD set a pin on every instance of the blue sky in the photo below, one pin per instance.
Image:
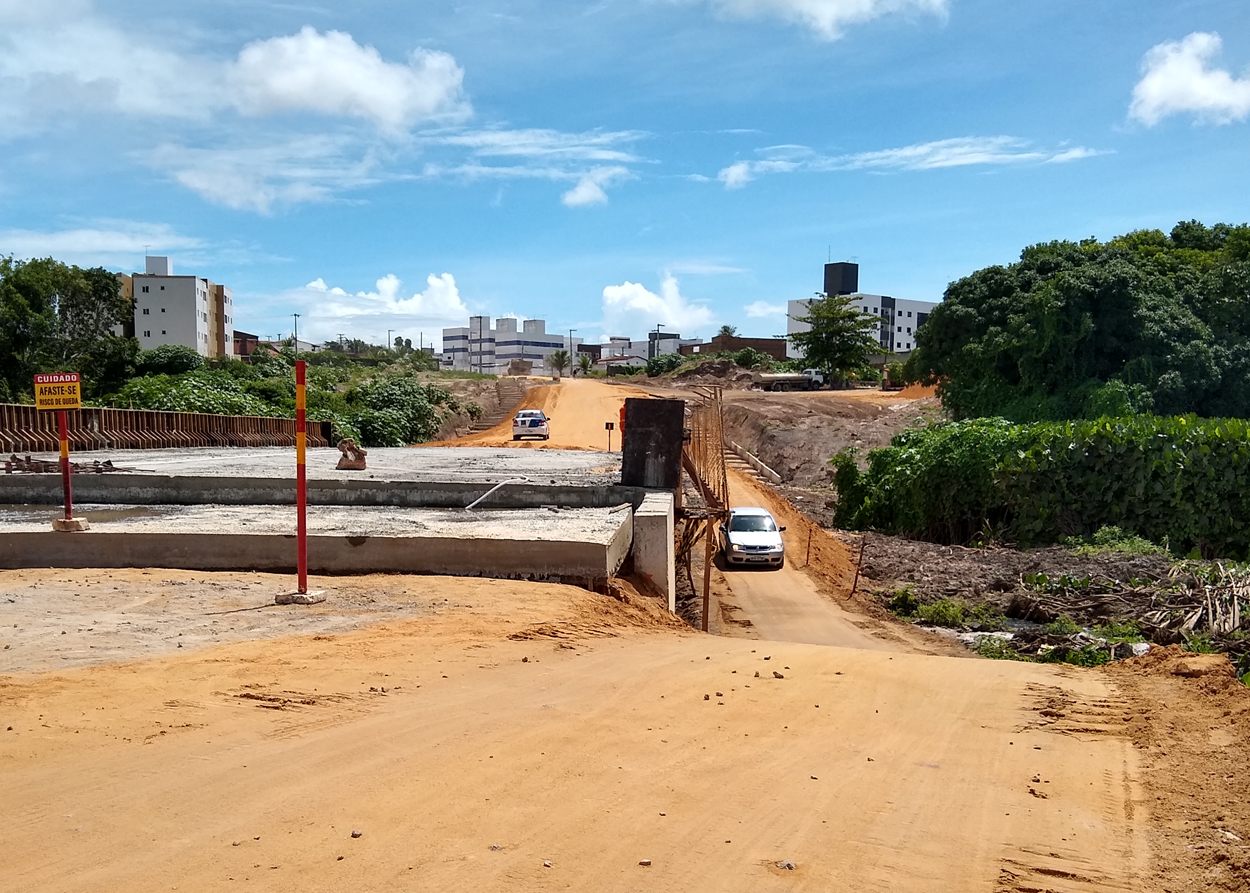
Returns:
(606, 166)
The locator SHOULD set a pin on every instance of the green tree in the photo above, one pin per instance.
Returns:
(728, 331)
(168, 359)
(840, 338)
(55, 317)
(560, 361)
(584, 363)
(1145, 322)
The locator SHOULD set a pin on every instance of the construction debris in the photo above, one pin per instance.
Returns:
(28, 465)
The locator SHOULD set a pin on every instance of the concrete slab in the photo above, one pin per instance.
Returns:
(583, 546)
(447, 477)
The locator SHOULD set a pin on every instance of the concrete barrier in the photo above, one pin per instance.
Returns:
(654, 549)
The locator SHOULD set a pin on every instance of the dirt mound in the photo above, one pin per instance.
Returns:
(1175, 661)
(917, 392)
(725, 373)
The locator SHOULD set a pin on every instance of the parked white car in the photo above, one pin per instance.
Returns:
(751, 536)
(531, 423)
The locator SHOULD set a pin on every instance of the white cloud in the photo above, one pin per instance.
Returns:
(551, 145)
(828, 18)
(702, 268)
(736, 175)
(956, 152)
(103, 242)
(331, 74)
(258, 178)
(760, 309)
(630, 307)
(1177, 77)
(327, 311)
(589, 189)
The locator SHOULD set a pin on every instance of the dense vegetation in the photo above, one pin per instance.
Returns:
(1179, 481)
(1147, 322)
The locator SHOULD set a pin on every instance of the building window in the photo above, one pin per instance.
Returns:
(147, 334)
(162, 331)
(162, 310)
(909, 330)
(900, 313)
(909, 314)
(145, 288)
(162, 288)
(145, 311)
(900, 328)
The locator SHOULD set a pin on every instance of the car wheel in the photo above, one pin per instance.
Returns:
(546, 437)
(516, 436)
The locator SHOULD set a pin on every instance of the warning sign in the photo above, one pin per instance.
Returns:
(58, 390)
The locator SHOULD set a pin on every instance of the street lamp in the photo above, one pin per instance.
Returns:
(296, 315)
(572, 371)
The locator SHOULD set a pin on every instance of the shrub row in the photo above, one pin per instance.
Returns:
(1180, 481)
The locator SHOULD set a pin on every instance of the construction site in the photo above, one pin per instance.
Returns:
(524, 665)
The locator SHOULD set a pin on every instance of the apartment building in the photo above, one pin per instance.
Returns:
(478, 347)
(187, 310)
(898, 318)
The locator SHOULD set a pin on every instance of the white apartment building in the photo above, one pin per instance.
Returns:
(186, 310)
(898, 318)
(479, 348)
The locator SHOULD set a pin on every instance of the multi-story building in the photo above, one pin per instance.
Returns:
(479, 348)
(899, 318)
(187, 310)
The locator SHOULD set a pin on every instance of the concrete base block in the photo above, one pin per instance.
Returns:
(69, 525)
(654, 550)
(316, 597)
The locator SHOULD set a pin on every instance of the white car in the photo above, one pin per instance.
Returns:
(531, 423)
(751, 536)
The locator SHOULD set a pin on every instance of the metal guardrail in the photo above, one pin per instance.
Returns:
(25, 429)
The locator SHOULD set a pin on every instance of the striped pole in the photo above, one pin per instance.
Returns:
(63, 424)
(301, 494)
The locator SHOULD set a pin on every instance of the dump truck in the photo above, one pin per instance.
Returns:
(807, 380)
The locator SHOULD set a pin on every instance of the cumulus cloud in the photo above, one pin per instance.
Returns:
(331, 74)
(761, 309)
(955, 152)
(631, 307)
(828, 18)
(1178, 78)
(81, 61)
(328, 310)
(112, 242)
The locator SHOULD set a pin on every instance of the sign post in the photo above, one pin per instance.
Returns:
(301, 483)
(60, 392)
(609, 426)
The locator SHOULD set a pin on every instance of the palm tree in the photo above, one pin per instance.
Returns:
(560, 360)
(583, 363)
(728, 331)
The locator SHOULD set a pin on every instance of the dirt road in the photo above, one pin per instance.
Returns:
(558, 726)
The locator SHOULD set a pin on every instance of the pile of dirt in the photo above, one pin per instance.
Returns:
(725, 373)
(1192, 730)
(796, 434)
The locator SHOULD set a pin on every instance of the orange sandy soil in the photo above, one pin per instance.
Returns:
(483, 728)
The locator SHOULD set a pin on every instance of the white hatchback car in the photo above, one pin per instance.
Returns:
(751, 536)
(531, 423)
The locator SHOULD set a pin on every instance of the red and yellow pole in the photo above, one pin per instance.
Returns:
(301, 489)
(63, 425)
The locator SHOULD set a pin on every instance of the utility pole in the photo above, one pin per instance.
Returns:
(572, 370)
(388, 338)
(296, 315)
(655, 344)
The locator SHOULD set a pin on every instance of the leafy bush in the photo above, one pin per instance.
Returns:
(1112, 539)
(665, 363)
(1114, 631)
(200, 391)
(996, 648)
(168, 359)
(951, 612)
(750, 358)
(904, 602)
(1062, 626)
(1180, 480)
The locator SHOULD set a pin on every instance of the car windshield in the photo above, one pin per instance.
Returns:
(529, 415)
(752, 524)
